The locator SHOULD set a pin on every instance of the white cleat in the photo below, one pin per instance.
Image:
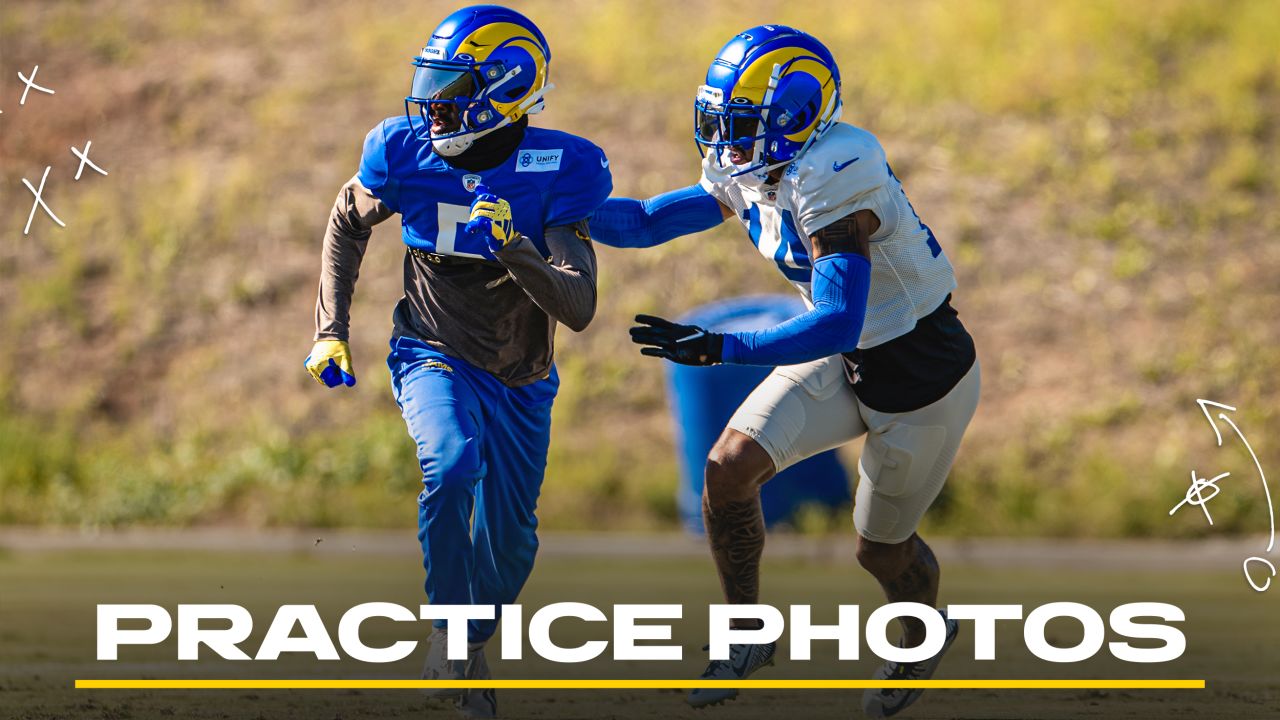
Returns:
(743, 661)
(440, 667)
(478, 703)
(889, 702)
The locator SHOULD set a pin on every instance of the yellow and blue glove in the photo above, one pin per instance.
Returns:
(330, 363)
(490, 219)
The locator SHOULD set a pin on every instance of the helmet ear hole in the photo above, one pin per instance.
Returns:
(515, 93)
(799, 120)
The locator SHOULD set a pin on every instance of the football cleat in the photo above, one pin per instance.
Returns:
(891, 701)
(440, 667)
(481, 703)
(743, 661)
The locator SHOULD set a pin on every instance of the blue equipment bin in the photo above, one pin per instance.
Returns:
(703, 399)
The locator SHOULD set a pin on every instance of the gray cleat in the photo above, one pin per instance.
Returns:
(743, 661)
(481, 703)
(439, 667)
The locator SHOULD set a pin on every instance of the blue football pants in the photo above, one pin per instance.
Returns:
(482, 447)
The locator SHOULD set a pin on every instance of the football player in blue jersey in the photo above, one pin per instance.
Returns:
(493, 214)
(880, 352)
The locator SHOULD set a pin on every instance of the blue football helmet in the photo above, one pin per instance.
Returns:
(490, 63)
(772, 89)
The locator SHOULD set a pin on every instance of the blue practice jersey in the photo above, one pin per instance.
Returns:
(551, 179)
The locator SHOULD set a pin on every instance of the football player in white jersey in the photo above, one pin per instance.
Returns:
(880, 352)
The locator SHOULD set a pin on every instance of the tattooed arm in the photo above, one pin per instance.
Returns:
(850, 234)
(841, 282)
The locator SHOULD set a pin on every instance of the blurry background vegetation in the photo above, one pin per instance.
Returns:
(1104, 176)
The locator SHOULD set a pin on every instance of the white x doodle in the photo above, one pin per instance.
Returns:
(84, 159)
(31, 83)
(39, 202)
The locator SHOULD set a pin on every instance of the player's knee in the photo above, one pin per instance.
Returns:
(883, 560)
(736, 465)
(455, 470)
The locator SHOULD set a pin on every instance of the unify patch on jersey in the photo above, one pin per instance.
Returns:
(538, 160)
(470, 182)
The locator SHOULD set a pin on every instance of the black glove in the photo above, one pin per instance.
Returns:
(685, 344)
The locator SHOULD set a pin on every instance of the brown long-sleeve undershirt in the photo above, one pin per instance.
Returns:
(499, 316)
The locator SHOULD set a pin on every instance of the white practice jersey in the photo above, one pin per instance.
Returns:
(842, 172)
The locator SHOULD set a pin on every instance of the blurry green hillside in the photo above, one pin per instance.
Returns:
(1105, 177)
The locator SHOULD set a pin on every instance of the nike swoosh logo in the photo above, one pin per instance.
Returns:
(604, 161)
(840, 166)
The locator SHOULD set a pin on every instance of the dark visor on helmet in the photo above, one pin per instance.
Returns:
(442, 84)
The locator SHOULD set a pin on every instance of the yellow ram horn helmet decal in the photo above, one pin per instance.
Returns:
(756, 78)
(773, 89)
(499, 41)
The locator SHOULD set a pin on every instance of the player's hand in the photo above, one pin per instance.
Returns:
(330, 363)
(490, 219)
(685, 344)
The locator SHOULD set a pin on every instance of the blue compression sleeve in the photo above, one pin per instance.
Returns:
(840, 286)
(628, 223)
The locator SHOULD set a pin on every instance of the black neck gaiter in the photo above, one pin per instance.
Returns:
(492, 149)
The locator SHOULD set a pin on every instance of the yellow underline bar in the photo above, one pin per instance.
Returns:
(637, 684)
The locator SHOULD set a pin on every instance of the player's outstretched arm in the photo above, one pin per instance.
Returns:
(630, 223)
(351, 221)
(840, 285)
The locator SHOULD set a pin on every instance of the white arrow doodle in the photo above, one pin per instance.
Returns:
(1271, 513)
(1204, 408)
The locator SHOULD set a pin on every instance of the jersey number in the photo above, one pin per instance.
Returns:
(932, 242)
(450, 220)
(790, 255)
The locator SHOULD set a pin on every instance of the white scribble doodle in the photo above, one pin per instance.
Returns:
(39, 202)
(1195, 494)
(81, 155)
(31, 83)
(1249, 576)
(84, 159)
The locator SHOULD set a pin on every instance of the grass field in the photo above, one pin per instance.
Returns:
(46, 638)
(1100, 173)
